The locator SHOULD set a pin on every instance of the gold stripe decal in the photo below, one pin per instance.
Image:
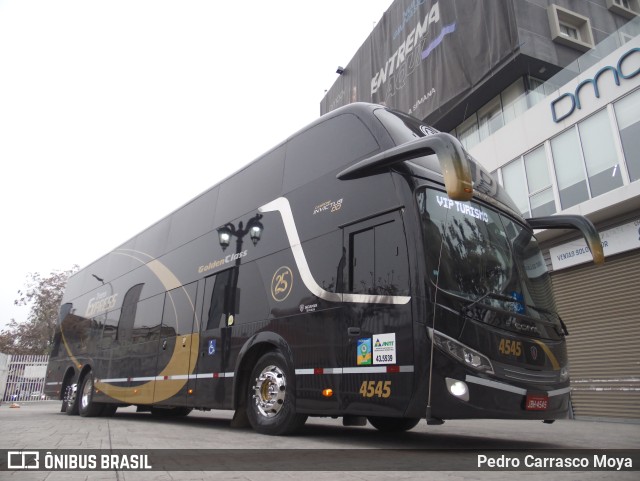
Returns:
(185, 353)
(281, 205)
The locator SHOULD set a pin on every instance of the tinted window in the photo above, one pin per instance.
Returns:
(193, 220)
(259, 183)
(146, 326)
(378, 258)
(334, 143)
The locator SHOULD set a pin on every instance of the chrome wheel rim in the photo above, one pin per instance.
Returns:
(269, 391)
(86, 393)
(70, 394)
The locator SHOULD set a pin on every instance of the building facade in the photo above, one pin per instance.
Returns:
(551, 107)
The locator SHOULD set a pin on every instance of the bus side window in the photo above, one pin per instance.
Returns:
(378, 261)
(325, 147)
(146, 326)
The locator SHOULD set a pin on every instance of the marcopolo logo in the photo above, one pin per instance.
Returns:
(628, 66)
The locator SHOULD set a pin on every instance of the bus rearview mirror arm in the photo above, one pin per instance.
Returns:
(451, 156)
(575, 222)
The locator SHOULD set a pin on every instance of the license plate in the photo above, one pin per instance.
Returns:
(537, 402)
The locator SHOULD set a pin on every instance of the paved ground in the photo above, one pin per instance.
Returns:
(41, 426)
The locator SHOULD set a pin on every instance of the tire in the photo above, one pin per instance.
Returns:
(87, 407)
(393, 425)
(70, 402)
(170, 412)
(271, 403)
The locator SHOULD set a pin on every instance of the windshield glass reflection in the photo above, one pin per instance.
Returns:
(484, 258)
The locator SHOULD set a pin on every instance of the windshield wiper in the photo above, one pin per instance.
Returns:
(506, 298)
(489, 293)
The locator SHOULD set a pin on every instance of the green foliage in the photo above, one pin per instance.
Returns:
(43, 295)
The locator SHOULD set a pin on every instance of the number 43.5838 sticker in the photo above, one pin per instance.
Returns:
(376, 388)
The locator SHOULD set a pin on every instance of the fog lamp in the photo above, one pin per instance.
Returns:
(458, 388)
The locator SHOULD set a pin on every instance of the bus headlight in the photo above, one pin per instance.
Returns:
(564, 373)
(463, 353)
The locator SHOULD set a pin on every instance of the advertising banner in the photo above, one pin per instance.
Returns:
(425, 55)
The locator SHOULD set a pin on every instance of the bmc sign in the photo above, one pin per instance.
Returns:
(573, 102)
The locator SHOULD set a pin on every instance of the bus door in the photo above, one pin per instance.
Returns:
(378, 335)
(215, 336)
(174, 349)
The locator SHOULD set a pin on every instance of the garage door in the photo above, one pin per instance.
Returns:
(601, 307)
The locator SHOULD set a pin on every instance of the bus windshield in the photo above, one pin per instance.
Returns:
(482, 257)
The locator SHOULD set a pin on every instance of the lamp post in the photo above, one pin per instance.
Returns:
(254, 228)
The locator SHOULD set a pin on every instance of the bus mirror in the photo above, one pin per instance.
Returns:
(451, 156)
(577, 222)
(454, 165)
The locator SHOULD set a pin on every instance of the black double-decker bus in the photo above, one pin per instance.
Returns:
(365, 268)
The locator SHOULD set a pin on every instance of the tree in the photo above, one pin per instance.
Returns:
(35, 335)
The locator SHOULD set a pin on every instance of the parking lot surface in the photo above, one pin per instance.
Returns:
(40, 426)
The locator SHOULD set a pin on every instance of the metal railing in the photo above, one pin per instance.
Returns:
(22, 377)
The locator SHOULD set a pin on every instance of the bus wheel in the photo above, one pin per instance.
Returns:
(70, 401)
(271, 398)
(393, 425)
(87, 407)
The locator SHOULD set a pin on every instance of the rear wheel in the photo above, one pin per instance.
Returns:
(393, 425)
(87, 407)
(271, 397)
(70, 401)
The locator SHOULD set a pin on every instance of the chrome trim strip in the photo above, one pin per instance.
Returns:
(494, 384)
(383, 369)
(119, 379)
(282, 205)
(559, 392)
(509, 388)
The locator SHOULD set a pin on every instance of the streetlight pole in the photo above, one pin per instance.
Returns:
(254, 228)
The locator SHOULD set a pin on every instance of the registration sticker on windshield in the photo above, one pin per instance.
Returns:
(384, 348)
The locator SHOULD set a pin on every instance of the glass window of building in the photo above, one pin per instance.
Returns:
(490, 118)
(514, 101)
(468, 132)
(569, 168)
(628, 117)
(515, 185)
(569, 31)
(600, 154)
(539, 184)
(536, 91)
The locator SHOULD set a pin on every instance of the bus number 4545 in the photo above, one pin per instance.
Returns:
(376, 388)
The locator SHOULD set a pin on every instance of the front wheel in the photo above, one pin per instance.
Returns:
(393, 425)
(271, 397)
